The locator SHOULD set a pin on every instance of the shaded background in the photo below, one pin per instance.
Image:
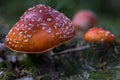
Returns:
(107, 11)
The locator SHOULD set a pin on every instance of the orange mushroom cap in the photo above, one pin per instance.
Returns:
(39, 29)
(84, 19)
(96, 35)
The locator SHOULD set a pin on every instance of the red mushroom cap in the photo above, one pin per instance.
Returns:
(39, 29)
(84, 19)
(96, 35)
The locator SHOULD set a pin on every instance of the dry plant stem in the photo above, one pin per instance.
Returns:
(2, 47)
(73, 50)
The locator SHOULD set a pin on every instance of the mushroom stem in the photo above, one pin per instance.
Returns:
(73, 50)
(2, 47)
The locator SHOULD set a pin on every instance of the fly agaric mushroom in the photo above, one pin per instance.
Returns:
(39, 29)
(96, 35)
(84, 19)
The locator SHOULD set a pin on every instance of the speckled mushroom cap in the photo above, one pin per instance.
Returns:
(96, 35)
(39, 29)
(84, 19)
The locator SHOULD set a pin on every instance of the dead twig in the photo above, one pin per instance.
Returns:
(73, 50)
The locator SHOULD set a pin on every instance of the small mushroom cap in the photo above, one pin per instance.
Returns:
(96, 35)
(39, 29)
(84, 19)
